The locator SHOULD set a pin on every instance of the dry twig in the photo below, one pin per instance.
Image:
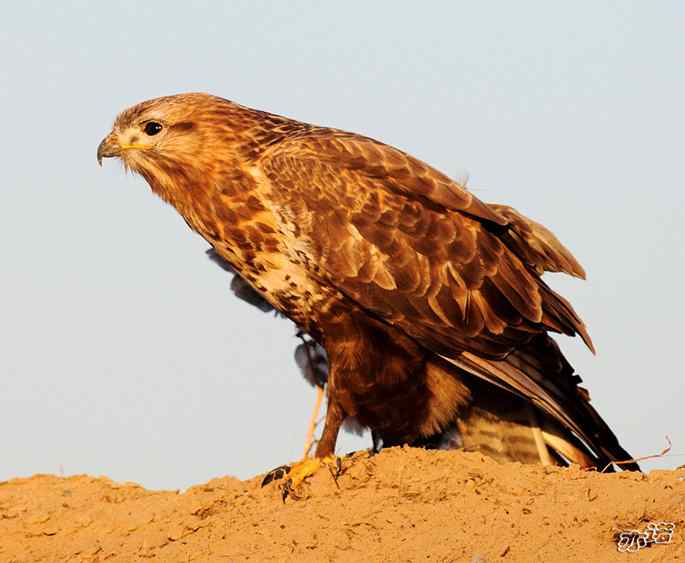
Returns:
(662, 453)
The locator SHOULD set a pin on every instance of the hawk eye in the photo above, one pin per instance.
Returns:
(152, 128)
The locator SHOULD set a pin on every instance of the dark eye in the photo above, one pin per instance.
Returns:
(152, 128)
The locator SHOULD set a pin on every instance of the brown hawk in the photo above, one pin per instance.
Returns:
(428, 302)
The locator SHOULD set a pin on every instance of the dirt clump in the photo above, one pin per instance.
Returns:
(402, 505)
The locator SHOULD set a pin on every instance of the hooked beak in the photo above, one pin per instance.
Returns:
(108, 147)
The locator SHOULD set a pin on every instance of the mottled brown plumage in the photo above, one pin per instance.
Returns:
(406, 279)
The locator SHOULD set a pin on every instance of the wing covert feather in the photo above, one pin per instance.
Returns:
(537, 245)
(411, 246)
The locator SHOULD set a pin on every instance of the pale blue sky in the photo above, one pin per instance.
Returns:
(122, 350)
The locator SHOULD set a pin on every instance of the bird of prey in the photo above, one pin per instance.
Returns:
(409, 282)
(493, 422)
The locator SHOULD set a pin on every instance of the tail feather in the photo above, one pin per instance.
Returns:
(566, 445)
(540, 374)
(506, 427)
(498, 424)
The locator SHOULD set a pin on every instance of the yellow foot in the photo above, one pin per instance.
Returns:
(300, 471)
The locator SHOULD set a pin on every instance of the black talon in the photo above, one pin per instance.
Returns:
(286, 490)
(338, 471)
(275, 474)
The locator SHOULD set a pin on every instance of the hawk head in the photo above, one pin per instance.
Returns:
(157, 128)
(175, 142)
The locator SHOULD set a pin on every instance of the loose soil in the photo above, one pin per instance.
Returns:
(399, 506)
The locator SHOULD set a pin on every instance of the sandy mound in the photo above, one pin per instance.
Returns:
(401, 505)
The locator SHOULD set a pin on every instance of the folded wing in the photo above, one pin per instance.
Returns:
(414, 248)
